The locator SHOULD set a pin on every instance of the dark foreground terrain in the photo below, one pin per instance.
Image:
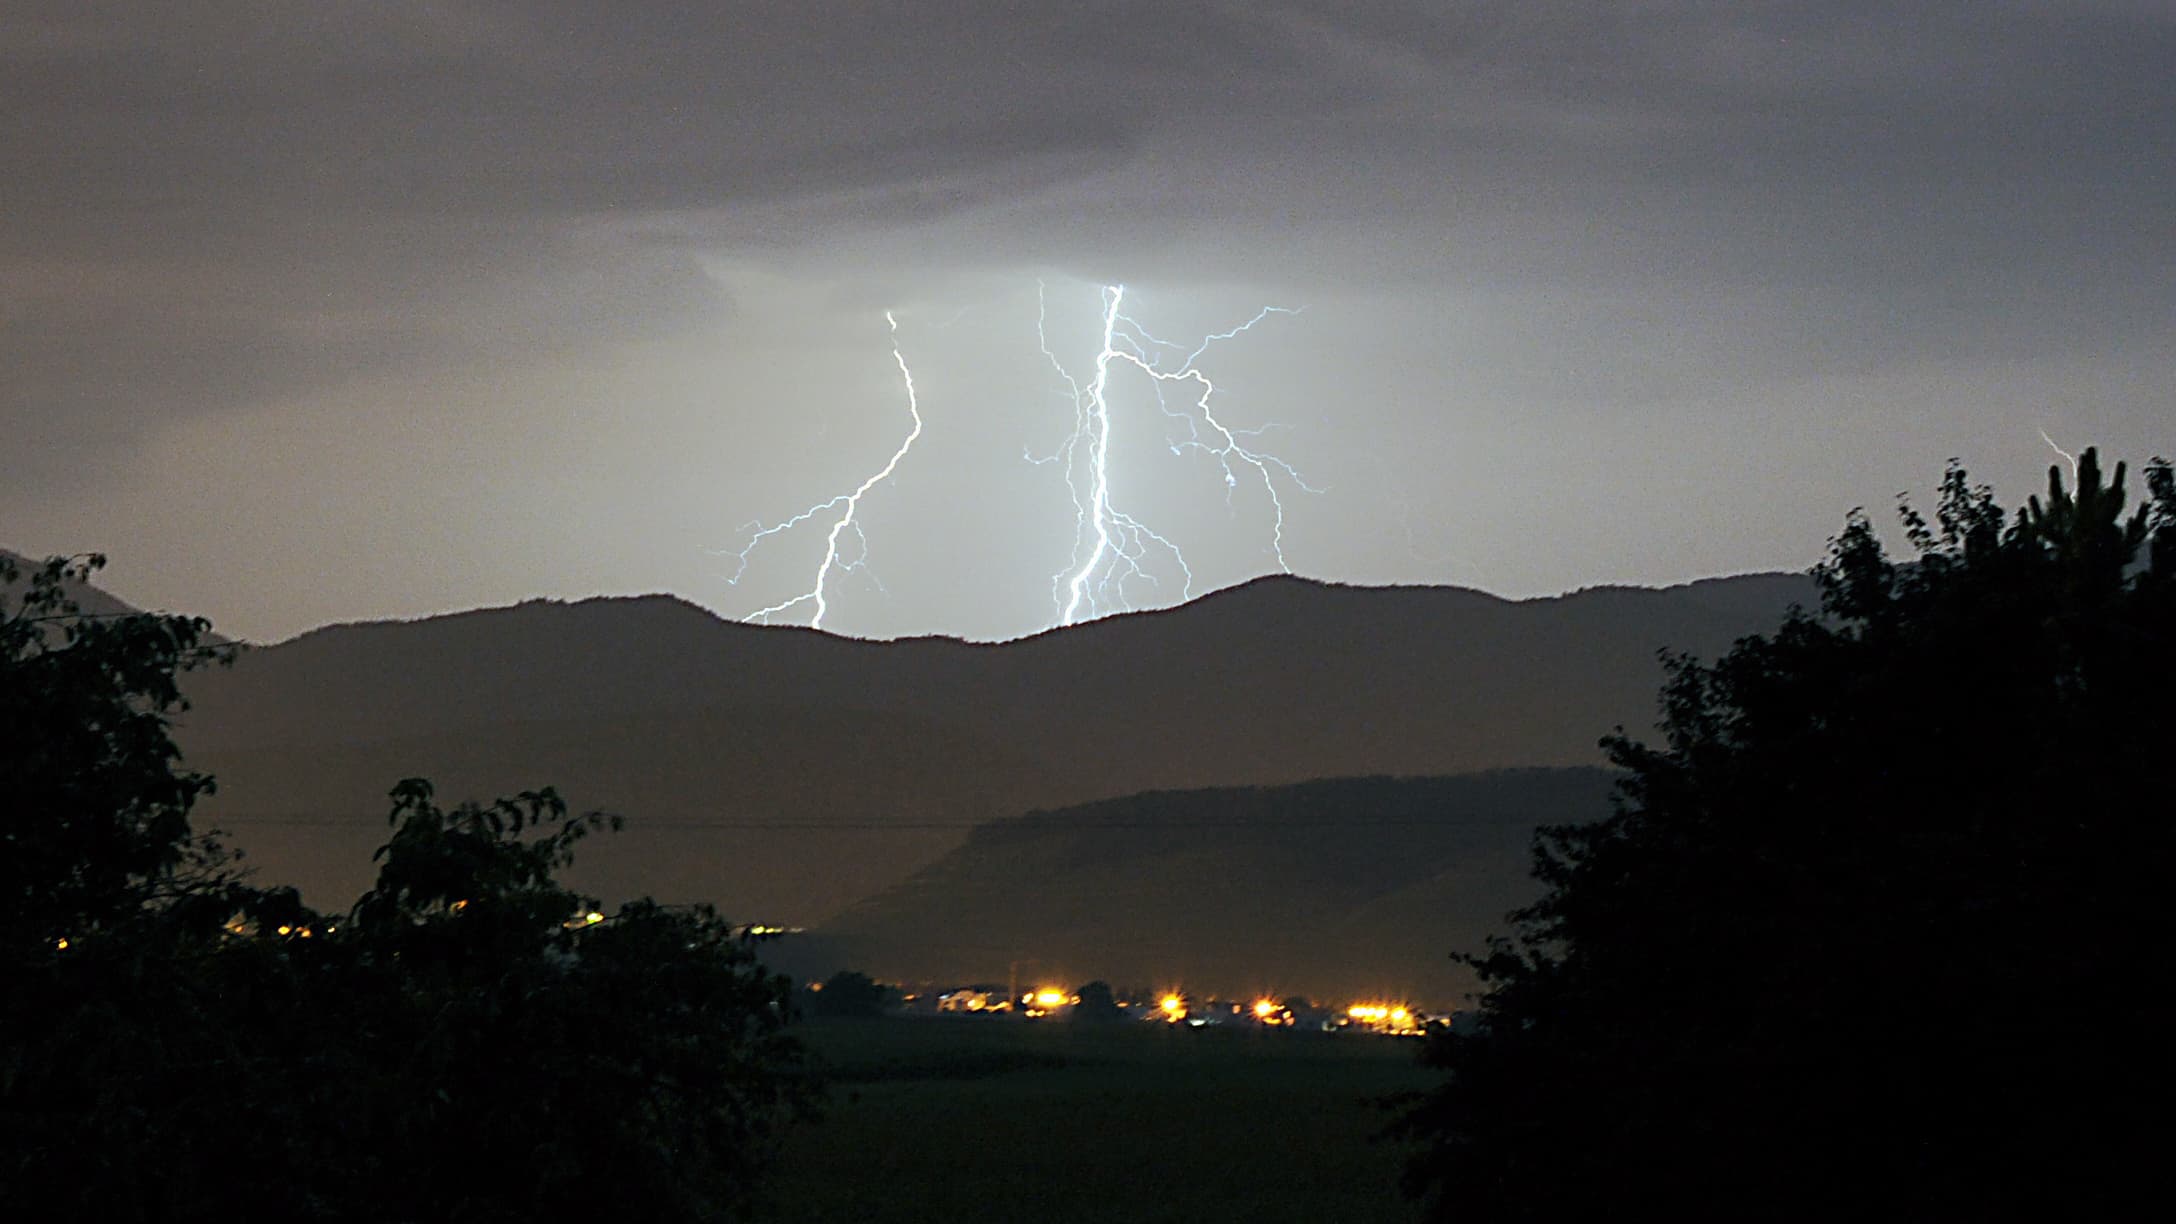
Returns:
(945, 1119)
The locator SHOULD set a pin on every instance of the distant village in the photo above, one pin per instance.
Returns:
(856, 994)
(1097, 1002)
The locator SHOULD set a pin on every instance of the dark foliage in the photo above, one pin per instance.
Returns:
(97, 834)
(1882, 926)
(471, 1041)
(1098, 1003)
(850, 995)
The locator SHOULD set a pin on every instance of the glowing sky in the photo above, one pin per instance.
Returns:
(352, 309)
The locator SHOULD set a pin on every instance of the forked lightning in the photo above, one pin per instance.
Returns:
(1110, 546)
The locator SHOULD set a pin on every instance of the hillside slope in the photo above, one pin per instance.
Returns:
(1345, 887)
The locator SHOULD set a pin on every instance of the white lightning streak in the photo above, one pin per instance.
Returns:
(1099, 454)
(1116, 543)
(845, 522)
(2068, 458)
(1110, 545)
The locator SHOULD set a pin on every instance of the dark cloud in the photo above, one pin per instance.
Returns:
(99, 348)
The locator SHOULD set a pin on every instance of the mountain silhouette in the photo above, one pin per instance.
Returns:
(786, 774)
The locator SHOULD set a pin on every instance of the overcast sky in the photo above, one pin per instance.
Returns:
(369, 307)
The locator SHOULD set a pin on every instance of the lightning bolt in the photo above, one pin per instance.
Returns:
(846, 503)
(1110, 545)
(2068, 458)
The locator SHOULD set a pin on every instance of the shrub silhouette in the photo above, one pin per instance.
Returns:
(1876, 926)
(850, 995)
(471, 1041)
(1098, 1003)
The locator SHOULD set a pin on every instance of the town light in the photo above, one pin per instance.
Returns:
(1386, 1017)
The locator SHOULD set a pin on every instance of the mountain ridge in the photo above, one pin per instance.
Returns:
(475, 628)
(1260, 582)
(881, 753)
(786, 774)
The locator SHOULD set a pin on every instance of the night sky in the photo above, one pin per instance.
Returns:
(354, 309)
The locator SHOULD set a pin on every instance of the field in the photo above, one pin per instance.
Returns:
(945, 1119)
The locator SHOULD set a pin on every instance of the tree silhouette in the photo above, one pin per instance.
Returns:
(1097, 1003)
(568, 1059)
(1875, 927)
(99, 834)
(851, 995)
(471, 1041)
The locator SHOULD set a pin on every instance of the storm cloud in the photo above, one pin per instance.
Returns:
(277, 280)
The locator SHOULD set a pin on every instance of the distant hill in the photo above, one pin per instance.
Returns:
(1349, 888)
(786, 773)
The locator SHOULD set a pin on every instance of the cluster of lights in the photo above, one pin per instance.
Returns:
(972, 1001)
(1176, 1007)
(1043, 1002)
(288, 930)
(1265, 1011)
(1388, 1017)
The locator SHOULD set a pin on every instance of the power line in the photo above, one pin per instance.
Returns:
(859, 826)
